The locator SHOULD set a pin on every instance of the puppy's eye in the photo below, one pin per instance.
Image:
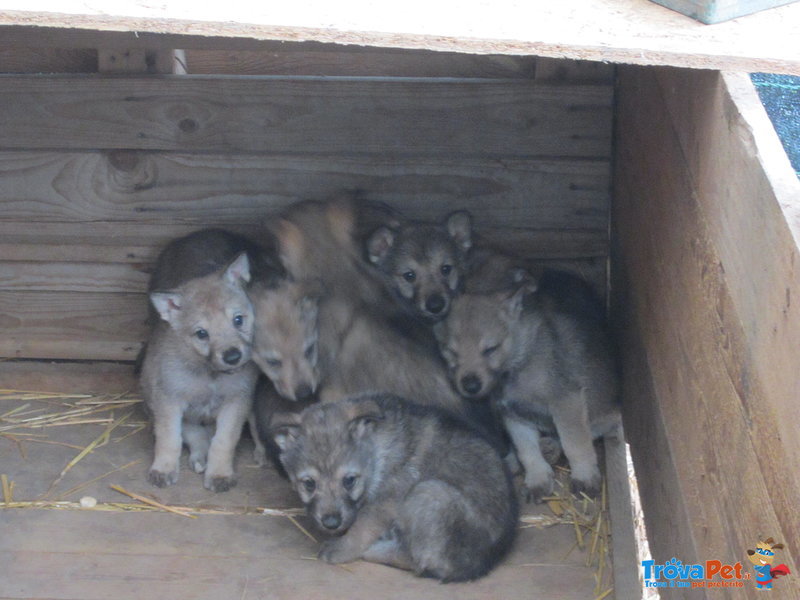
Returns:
(348, 481)
(309, 353)
(490, 350)
(446, 270)
(274, 362)
(309, 484)
(201, 334)
(238, 321)
(409, 276)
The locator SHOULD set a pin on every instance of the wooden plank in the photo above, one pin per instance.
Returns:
(622, 31)
(77, 377)
(359, 63)
(242, 557)
(47, 60)
(620, 507)
(138, 244)
(73, 277)
(390, 118)
(734, 161)
(711, 392)
(72, 325)
(214, 189)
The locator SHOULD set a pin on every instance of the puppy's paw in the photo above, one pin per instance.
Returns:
(539, 486)
(162, 479)
(219, 483)
(335, 552)
(586, 480)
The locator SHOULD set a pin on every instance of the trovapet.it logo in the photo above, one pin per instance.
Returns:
(762, 558)
(709, 574)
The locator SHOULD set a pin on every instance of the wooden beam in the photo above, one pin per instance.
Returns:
(621, 31)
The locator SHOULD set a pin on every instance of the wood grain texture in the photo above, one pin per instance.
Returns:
(72, 325)
(189, 189)
(753, 204)
(710, 391)
(622, 31)
(391, 118)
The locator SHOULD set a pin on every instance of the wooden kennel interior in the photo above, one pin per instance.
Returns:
(662, 183)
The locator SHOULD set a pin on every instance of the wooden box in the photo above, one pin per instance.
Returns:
(663, 183)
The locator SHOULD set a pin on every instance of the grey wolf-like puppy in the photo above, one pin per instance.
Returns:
(544, 359)
(197, 378)
(426, 265)
(400, 484)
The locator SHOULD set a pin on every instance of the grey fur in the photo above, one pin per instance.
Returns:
(400, 484)
(546, 362)
(197, 378)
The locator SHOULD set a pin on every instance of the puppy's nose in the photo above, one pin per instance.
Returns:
(332, 521)
(303, 391)
(471, 384)
(232, 356)
(435, 304)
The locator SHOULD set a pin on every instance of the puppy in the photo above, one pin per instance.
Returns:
(400, 484)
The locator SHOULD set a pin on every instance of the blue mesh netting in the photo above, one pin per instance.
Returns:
(780, 95)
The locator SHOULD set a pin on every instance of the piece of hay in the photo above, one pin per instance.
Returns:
(8, 489)
(117, 488)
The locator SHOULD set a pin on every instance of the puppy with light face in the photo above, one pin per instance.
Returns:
(213, 314)
(423, 264)
(286, 340)
(196, 378)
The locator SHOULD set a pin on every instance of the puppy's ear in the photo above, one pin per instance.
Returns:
(365, 414)
(459, 227)
(238, 270)
(285, 429)
(513, 301)
(379, 244)
(168, 304)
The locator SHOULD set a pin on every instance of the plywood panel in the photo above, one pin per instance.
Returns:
(623, 31)
(684, 309)
(387, 117)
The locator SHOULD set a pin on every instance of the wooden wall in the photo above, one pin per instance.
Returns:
(705, 287)
(99, 170)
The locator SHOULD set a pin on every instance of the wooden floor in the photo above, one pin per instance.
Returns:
(241, 554)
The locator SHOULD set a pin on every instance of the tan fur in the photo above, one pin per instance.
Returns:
(199, 388)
